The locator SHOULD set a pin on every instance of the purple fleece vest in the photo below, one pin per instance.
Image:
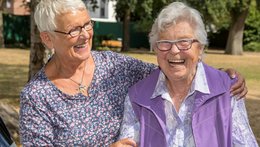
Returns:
(211, 119)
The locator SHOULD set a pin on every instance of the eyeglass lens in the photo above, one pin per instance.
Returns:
(180, 44)
(77, 30)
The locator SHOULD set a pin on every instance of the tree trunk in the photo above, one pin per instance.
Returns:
(235, 36)
(126, 37)
(37, 50)
(2, 42)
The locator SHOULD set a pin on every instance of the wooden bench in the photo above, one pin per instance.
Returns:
(112, 43)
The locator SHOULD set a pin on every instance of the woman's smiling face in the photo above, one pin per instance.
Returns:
(176, 64)
(66, 46)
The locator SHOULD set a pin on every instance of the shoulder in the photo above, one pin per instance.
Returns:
(217, 78)
(151, 78)
(213, 72)
(109, 58)
(108, 55)
(37, 86)
(148, 82)
(114, 57)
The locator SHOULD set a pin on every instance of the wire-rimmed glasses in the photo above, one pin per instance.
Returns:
(181, 44)
(77, 30)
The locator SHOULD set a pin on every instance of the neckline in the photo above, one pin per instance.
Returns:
(77, 95)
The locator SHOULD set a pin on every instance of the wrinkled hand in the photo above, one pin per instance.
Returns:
(238, 89)
(124, 143)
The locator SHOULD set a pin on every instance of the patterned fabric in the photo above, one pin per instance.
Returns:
(179, 131)
(49, 117)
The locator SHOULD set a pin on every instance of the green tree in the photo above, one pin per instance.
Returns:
(124, 9)
(252, 30)
(142, 12)
(231, 14)
(227, 13)
(238, 13)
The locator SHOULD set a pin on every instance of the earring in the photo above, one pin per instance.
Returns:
(50, 52)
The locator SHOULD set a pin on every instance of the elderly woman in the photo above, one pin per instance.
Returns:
(77, 98)
(185, 102)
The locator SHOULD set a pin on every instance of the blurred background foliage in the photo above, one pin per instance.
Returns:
(216, 13)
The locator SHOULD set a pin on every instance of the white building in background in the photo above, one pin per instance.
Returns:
(16, 7)
(105, 11)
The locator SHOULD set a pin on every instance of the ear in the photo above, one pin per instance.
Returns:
(46, 39)
(201, 51)
(154, 48)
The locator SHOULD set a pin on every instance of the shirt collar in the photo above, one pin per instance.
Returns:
(199, 83)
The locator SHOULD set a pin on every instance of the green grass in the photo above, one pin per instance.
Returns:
(14, 71)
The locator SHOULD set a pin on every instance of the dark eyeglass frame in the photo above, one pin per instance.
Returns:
(87, 26)
(177, 43)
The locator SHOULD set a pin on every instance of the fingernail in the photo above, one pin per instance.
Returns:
(237, 97)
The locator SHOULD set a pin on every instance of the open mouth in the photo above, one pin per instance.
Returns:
(177, 61)
(81, 46)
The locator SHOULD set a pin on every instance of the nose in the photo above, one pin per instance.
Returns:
(174, 49)
(84, 33)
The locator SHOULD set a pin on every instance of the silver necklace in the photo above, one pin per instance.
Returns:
(81, 88)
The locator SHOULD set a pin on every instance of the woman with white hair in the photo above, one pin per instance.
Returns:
(77, 98)
(184, 102)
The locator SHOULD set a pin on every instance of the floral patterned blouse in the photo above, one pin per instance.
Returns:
(49, 117)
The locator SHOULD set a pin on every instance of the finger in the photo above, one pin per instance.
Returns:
(243, 94)
(126, 142)
(129, 142)
(231, 72)
(240, 83)
(237, 88)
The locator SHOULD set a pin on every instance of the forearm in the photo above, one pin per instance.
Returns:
(130, 126)
(241, 131)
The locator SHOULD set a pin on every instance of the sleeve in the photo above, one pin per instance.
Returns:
(35, 127)
(241, 131)
(134, 69)
(130, 126)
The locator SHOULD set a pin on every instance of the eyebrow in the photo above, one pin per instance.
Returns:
(70, 27)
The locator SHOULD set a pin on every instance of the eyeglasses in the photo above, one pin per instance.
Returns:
(182, 44)
(76, 31)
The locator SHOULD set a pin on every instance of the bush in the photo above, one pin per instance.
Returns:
(252, 46)
(252, 29)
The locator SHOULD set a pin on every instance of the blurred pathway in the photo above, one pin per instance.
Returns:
(10, 117)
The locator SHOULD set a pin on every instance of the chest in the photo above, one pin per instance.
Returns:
(85, 123)
(89, 120)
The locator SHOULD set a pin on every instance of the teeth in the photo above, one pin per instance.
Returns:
(80, 46)
(177, 61)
